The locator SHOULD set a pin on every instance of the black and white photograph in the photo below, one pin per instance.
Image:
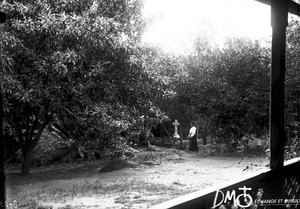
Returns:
(159, 104)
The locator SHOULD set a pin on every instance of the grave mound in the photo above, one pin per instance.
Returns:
(117, 164)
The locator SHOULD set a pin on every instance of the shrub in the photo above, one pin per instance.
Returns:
(252, 142)
(292, 149)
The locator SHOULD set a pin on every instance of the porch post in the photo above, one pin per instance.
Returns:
(279, 14)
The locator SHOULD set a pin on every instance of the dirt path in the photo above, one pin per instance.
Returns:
(81, 186)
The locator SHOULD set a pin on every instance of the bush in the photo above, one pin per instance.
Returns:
(292, 149)
(51, 148)
(119, 148)
(251, 142)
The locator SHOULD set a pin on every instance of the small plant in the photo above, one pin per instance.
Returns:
(292, 149)
(252, 143)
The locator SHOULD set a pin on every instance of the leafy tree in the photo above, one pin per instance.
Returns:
(292, 91)
(227, 90)
(293, 80)
(69, 61)
(244, 66)
(168, 72)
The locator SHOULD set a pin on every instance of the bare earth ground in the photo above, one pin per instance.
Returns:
(157, 177)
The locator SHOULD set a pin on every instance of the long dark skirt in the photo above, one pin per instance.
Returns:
(193, 145)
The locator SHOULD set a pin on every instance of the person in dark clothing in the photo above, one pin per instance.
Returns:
(193, 145)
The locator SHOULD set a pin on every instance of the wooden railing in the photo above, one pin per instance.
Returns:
(265, 190)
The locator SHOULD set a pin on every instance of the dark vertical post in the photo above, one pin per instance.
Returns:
(279, 14)
(2, 174)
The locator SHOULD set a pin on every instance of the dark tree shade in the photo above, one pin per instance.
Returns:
(2, 175)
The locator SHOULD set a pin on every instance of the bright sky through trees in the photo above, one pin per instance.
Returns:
(176, 23)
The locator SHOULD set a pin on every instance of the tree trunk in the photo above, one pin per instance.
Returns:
(26, 162)
(204, 136)
(204, 140)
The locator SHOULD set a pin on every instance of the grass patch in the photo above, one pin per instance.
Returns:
(172, 174)
(135, 190)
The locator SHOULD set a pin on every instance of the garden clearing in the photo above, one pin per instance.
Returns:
(157, 177)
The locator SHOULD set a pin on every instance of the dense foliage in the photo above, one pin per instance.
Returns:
(228, 89)
(292, 90)
(78, 68)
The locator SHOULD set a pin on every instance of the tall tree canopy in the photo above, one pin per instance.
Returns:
(80, 67)
(227, 90)
(77, 63)
(293, 79)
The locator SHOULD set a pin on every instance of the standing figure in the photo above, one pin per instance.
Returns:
(193, 145)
